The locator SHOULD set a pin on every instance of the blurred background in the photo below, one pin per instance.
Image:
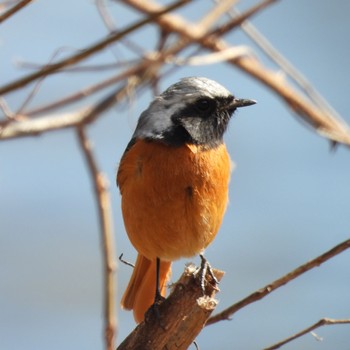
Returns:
(289, 194)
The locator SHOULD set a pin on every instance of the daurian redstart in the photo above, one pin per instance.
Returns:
(173, 179)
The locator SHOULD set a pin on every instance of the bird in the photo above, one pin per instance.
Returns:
(173, 179)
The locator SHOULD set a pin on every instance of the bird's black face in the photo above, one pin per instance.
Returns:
(195, 111)
(201, 122)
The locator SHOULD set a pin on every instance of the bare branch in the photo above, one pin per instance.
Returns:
(179, 318)
(238, 20)
(83, 54)
(214, 14)
(6, 110)
(14, 9)
(103, 200)
(86, 92)
(265, 45)
(325, 124)
(320, 323)
(39, 82)
(105, 16)
(211, 58)
(261, 293)
(82, 68)
(33, 127)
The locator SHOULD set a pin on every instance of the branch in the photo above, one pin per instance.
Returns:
(211, 58)
(325, 124)
(83, 54)
(261, 293)
(80, 69)
(238, 20)
(214, 14)
(179, 318)
(105, 217)
(33, 127)
(9, 115)
(14, 9)
(86, 92)
(263, 43)
(322, 322)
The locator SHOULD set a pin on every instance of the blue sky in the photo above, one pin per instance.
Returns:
(289, 195)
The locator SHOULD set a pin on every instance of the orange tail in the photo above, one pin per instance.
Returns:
(140, 292)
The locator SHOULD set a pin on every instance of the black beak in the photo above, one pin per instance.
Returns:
(237, 103)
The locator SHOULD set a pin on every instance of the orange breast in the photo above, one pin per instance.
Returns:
(173, 198)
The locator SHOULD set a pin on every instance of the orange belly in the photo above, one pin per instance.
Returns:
(173, 198)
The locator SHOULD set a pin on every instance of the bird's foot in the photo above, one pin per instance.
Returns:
(153, 313)
(205, 269)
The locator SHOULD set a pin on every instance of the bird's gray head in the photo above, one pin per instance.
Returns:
(195, 110)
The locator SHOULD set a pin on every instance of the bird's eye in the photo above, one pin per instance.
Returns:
(204, 104)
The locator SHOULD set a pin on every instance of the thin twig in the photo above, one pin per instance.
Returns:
(100, 184)
(105, 16)
(33, 127)
(6, 110)
(14, 9)
(243, 17)
(83, 68)
(83, 54)
(211, 58)
(110, 25)
(39, 82)
(214, 14)
(87, 91)
(261, 293)
(320, 323)
(287, 67)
